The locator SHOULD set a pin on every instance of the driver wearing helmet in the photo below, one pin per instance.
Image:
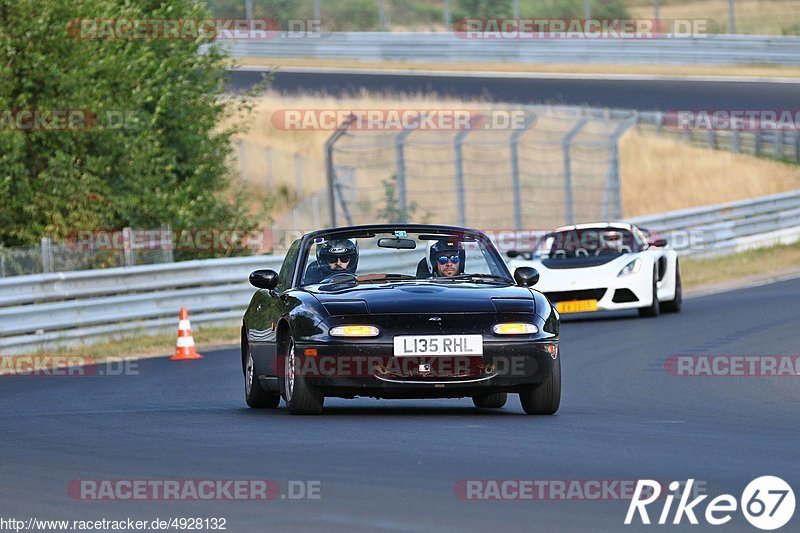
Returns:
(333, 257)
(445, 259)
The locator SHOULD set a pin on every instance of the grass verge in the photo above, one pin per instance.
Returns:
(742, 268)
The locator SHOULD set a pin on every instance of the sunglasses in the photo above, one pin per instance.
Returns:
(343, 260)
(443, 259)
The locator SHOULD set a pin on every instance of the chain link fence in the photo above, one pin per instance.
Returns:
(558, 167)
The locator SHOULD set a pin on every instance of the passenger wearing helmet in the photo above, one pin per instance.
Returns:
(333, 257)
(445, 259)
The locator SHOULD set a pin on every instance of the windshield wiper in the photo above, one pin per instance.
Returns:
(480, 277)
(373, 278)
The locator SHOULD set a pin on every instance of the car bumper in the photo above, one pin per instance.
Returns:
(370, 369)
(611, 296)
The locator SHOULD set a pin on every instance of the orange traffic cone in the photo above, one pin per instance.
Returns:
(184, 348)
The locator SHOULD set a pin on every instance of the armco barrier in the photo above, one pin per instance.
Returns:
(714, 49)
(44, 310)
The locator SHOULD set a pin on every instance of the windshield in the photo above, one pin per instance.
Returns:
(588, 242)
(433, 255)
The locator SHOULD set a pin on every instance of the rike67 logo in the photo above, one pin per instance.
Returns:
(767, 503)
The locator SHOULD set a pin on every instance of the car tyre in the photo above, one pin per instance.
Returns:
(492, 400)
(543, 398)
(301, 397)
(652, 309)
(674, 306)
(254, 394)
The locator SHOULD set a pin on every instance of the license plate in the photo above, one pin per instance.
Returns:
(577, 306)
(438, 345)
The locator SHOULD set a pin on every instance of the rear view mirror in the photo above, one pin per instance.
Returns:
(397, 243)
(526, 276)
(264, 279)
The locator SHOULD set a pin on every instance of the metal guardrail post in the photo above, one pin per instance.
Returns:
(401, 174)
(711, 135)
(47, 255)
(614, 184)
(797, 146)
(461, 204)
(737, 141)
(757, 142)
(565, 146)
(778, 143)
(329, 145)
(515, 179)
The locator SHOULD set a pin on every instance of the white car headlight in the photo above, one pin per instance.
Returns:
(631, 268)
(354, 331)
(515, 328)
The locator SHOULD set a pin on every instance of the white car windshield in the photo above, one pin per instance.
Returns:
(587, 242)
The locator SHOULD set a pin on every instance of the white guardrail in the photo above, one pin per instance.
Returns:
(60, 309)
(712, 49)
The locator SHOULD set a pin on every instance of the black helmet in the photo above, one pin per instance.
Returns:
(445, 247)
(343, 249)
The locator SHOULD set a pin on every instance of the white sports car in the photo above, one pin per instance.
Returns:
(605, 267)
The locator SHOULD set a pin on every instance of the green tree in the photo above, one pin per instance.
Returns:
(168, 166)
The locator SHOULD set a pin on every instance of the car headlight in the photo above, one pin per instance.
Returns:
(514, 328)
(354, 331)
(631, 268)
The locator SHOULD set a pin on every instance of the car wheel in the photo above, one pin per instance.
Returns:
(493, 400)
(674, 306)
(301, 397)
(543, 398)
(652, 309)
(255, 396)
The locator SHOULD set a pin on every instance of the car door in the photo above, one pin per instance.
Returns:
(269, 307)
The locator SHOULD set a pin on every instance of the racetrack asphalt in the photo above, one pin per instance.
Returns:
(392, 465)
(639, 94)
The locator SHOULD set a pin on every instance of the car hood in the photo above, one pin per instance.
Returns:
(425, 297)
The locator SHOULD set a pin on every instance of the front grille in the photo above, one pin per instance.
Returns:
(622, 296)
(566, 296)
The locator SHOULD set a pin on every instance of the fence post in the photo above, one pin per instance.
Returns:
(515, 179)
(166, 244)
(565, 147)
(737, 141)
(298, 177)
(461, 206)
(242, 170)
(712, 138)
(687, 135)
(797, 146)
(127, 247)
(659, 118)
(315, 210)
(613, 184)
(779, 143)
(269, 168)
(401, 174)
(47, 255)
(329, 144)
(2, 265)
(757, 142)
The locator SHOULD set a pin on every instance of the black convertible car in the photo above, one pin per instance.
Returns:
(399, 311)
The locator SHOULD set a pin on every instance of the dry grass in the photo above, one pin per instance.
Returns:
(765, 17)
(662, 174)
(761, 71)
(142, 345)
(755, 264)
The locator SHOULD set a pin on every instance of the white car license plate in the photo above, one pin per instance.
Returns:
(438, 345)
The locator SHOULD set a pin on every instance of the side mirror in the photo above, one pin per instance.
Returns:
(264, 279)
(526, 276)
(659, 243)
(512, 254)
